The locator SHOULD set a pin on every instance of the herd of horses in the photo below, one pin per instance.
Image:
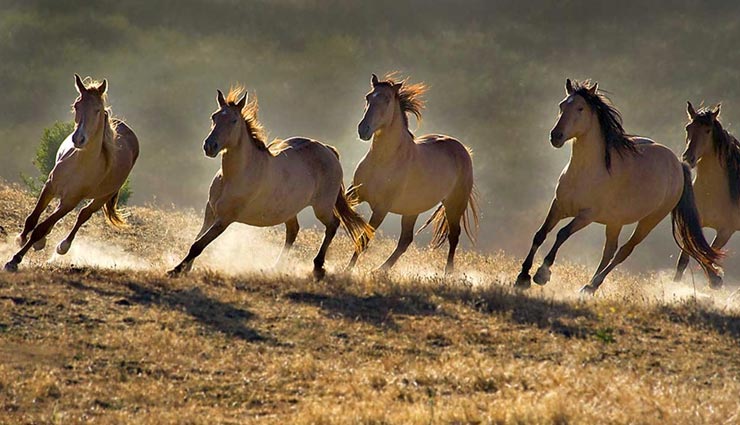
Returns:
(613, 178)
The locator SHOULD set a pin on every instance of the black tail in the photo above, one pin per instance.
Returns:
(687, 228)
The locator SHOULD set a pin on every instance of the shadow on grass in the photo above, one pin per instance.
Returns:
(696, 316)
(219, 316)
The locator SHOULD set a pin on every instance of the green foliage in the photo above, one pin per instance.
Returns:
(45, 159)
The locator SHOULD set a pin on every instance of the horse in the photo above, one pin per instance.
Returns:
(92, 163)
(615, 179)
(262, 184)
(405, 175)
(715, 154)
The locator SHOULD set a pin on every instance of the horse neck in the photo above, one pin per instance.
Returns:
(236, 160)
(589, 150)
(96, 145)
(711, 170)
(393, 140)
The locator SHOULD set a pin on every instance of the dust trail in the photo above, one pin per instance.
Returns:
(85, 252)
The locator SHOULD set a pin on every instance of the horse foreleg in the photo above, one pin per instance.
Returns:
(610, 246)
(523, 281)
(40, 232)
(643, 228)
(197, 248)
(82, 217)
(291, 233)
(376, 219)
(332, 224)
(208, 217)
(582, 220)
(720, 240)
(407, 236)
(42, 202)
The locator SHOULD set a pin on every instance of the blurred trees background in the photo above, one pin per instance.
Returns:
(495, 68)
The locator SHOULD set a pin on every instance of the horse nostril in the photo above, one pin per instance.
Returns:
(556, 135)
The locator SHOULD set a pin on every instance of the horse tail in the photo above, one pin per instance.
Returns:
(113, 214)
(687, 229)
(353, 223)
(470, 221)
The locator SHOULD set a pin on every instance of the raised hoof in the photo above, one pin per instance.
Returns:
(178, 271)
(319, 273)
(40, 244)
(715, 282)
(11, 266)
(523, 281)
(63, 247)
(588, 290)
(20, 241)
(542, 276)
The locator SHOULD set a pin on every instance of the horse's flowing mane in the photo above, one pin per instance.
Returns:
(727, 148)
(249, 113)
(409, 95)
(609, 118)
(95, 88)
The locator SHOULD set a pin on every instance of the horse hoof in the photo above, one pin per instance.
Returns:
(542, 276)
(319, 273)
(20, 241)
(174, 273)
(63, 247)
(523, 281)
(40, 244)
(588, 290)
(715, 282)
(11, 266)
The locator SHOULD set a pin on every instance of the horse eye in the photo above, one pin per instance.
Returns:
(580, 109)
(709, 131)
(233, 121)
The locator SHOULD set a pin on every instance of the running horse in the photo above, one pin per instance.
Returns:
(266, 185)
(92, 163)
(716, 155)
(404, 175)
(615, 179)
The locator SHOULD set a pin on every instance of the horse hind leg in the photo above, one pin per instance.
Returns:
(720, 240)
(84, 215)
(291, 233)
(454, 215)
(325, 216)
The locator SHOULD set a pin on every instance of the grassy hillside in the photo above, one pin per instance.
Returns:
(102, 336)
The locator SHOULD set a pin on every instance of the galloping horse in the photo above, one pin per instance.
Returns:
(266, 185)
(716, 155)
(615, 179)
(408, 176)
(92, 163)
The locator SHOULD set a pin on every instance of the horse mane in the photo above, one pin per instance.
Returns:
(410, 96)
(249, 113)
(727, 148)
(95, 87)
(609, 118)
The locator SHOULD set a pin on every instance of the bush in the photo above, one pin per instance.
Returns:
(46, 156)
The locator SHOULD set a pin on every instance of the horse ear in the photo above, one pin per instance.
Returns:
(715, 111)
(79, 85)
(243, 101)
(397, 87)
(103, 86)
(594, 88)
(220, 99)
(690, 110)
(374, 80)
(568, 87)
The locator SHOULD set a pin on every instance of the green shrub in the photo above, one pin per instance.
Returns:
(46, 156)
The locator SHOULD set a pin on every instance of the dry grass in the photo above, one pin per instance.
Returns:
(102, 336)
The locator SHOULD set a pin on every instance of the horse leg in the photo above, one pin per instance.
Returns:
(40, 232)
(42, 202)
(523, 281)
(610, 246)
(198, 246)
(407, 236)
(82, 218)
(720, 240)
(376, 219)
(454, 214)
(332, 224)
(683, 262)
(208, 217)
(582, 220)
(644, 227)
(291, 233)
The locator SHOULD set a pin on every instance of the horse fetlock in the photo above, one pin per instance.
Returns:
(319, 273)
(523, 281)
(588, 290)
(678, 276)
(63, 247)
(543, 275)
(20, 240)
(40, 244)
(12, 265)
(715, 281)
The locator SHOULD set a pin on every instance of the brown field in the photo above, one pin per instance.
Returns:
(101, 336)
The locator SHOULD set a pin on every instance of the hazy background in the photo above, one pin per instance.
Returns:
(496, 71)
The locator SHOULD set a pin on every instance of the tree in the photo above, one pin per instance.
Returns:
(46, 156)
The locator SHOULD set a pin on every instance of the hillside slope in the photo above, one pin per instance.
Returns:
(104, 336)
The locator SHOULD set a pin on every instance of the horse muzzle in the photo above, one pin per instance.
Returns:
(689, 159)
(557, 139)
(211, 149)
(79, 141)
(364, 131)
